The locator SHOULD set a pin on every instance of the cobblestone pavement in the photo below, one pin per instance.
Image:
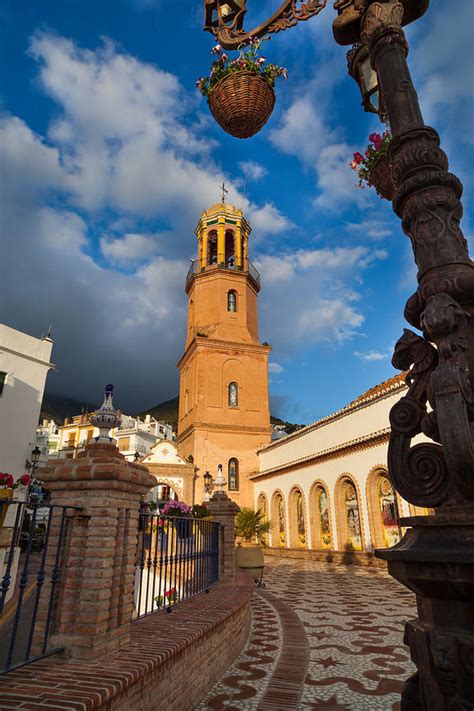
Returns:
(322, 637)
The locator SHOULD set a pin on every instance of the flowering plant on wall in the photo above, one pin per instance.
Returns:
(176, 508)
(169, 598)
(248, 61)
(375, 152)
(8, 482)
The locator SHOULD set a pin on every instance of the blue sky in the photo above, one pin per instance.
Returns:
(109, 153)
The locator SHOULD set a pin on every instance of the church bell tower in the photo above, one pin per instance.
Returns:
(223, 404)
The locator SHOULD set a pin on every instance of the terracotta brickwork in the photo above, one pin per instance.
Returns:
(224, 510)
(223, 348)
(170, 662)
(94, 606)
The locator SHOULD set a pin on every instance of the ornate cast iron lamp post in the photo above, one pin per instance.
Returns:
(435, 559)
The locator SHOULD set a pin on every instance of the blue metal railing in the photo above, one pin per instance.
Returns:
(33, 535)
(177, 558)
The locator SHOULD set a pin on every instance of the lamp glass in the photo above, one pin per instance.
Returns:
(35, 455)
(368, 82)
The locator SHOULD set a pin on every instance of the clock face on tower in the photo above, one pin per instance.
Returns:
(223, 409)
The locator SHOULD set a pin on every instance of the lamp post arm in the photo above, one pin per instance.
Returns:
(233, 36)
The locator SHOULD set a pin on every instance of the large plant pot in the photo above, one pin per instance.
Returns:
(183, 527)
(6, 496)
(381, 178)
(249, 557)
(242, 103)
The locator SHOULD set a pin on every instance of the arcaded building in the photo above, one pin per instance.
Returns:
(326, 486)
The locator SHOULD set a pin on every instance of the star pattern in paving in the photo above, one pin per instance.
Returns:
(337, 645)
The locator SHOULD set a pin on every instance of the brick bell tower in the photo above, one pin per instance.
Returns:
(224, 415)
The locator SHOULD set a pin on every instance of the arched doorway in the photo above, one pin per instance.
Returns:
(161, 494)
(382, 502)
(348, 515)
(320, 517)
(298, 535)
(278, 521)
(262, 505)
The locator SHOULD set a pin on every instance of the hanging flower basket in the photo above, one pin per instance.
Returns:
(381, 178)
(242, 103)
(240, 91)
(373, 168)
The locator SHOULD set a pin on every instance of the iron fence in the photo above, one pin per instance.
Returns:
(177, 558)
(32, 540)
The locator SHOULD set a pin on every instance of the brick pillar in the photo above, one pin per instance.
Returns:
(94, 598)
(224, 511)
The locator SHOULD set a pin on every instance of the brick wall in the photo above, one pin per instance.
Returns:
(171, 661)
(328, 556)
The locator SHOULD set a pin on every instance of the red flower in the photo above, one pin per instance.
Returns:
(25, 480)
(358, 157)
(6, 480)
(375, 137)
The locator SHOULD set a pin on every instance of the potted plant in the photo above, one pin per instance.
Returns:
(251, 527)
(240, 91)
(169, 598)
(7, 487)
(373, 168)
(181, 514)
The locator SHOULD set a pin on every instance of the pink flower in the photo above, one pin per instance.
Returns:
(354, 165)
(358, 157)
(217, 49)
(375, 137)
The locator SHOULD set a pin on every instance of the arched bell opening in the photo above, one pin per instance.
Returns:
(230, 249)
(212, 247)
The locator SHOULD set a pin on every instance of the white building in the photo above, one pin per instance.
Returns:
(24, 365)
(325, 487)
(132, 436)
(47, 440)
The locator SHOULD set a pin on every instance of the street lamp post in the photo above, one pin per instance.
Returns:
(435, 558)
(208, 482)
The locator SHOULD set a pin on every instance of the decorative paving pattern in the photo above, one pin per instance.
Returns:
(243, 685)
(342, 649)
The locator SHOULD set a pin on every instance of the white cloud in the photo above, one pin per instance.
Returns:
(253, 170)
(373, 229)
(275, 368)
(130, 248)
(310, 295)
(443, 61)
(371, 356)
(121, 160)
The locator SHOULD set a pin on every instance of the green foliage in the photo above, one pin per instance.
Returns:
(199, 511)
(248, 61)
(251, 525)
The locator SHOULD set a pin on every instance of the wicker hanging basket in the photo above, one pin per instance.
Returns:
(381, 178)
(242, 103)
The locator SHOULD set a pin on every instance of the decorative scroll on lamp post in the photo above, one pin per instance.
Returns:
(435, 559)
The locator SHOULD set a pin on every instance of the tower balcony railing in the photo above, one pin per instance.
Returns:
(195, 269)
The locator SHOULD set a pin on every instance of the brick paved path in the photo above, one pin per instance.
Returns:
(323, 637)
